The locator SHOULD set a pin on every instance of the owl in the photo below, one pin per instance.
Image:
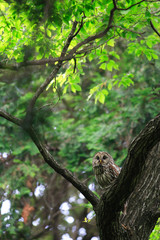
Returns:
(104, 168)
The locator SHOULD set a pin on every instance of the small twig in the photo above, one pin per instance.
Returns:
(29, 114)
(81, 25)
(129, 30)
(45, 106)
(154, 29)
(124, 9)
(69, 39)
(75, 65)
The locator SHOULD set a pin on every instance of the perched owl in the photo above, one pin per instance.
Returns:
(104, 168)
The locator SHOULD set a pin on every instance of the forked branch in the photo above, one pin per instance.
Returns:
(40, 90)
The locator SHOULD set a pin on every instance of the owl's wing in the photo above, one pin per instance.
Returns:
(114, 170)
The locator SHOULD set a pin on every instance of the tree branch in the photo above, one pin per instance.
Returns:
(80, 26)
(124, 9)
(94, 37)
(69, 39)
(10, 118)
(17, 66)
(63, 56)
(40, 90)
(129, 30)
(89, 195)
(154, 29)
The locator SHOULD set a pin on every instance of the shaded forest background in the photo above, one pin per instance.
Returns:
(43, 205)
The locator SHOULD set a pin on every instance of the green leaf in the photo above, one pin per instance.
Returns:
(111, 42)
(77, 87)
(100, 97)
(112, 64)
(105, 92)
(148, 55)
(154, 56)
(24, 191)
(49, 33)
(65, 89)
(17, 161)
(103, 66)
(109, 86)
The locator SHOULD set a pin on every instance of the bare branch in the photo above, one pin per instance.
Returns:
(75, 65)
(69, 39)
(90, 196)
(81, 25)
(154, 29)
(29, 113)
(40, 90)
(10, 118)
(17, 66)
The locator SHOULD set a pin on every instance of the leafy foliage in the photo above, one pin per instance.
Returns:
(119, 71)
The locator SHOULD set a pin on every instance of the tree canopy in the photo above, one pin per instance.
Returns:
(76, 77)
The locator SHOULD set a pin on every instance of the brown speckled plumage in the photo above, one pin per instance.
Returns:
(105, 169)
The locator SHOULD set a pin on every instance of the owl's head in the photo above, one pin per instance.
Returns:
(102, 158)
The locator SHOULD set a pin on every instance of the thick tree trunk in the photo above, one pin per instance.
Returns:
(142, 210)
(144, 202)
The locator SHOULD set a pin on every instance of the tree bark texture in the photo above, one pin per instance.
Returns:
(144, 202)
(142, 205)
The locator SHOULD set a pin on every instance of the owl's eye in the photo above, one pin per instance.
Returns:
(97, 157)
(104, 157)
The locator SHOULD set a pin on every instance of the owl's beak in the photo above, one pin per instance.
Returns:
(100, 161)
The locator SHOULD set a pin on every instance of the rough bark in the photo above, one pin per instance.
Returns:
(139, 186)
(144, 202)
(142, 206)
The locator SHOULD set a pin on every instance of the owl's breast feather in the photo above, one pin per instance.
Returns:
(99, 170)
